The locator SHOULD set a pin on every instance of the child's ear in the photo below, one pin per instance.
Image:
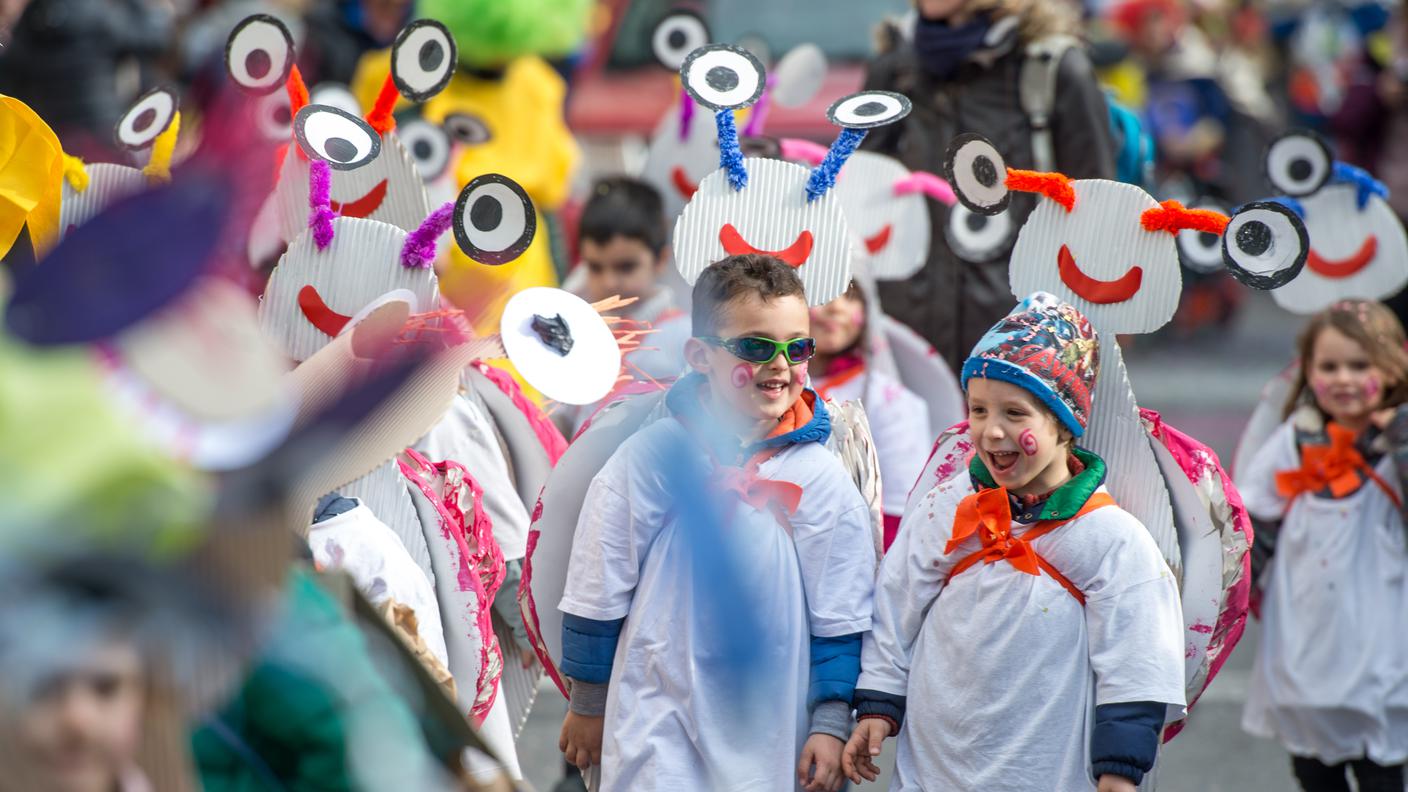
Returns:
(696, 353)
(662, 260)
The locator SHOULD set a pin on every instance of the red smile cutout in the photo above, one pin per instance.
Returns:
(877, 243)
(794, 254)
(362, 206)
(1343, 268)
(1097, 291)
(319, 314)
(683, 185)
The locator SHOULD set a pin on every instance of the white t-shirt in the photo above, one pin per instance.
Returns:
(1002, 670)
(1331, 673)
(679, 714)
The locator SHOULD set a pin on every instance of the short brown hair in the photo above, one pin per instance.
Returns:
(1370, 325)
(724, 281)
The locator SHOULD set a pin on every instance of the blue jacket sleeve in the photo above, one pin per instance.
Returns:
(588, 647)
(835, 667)
(1126, 739)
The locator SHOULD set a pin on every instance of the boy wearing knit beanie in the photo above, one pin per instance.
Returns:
(1027, 631)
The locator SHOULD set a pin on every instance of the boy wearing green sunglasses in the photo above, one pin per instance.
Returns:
(650, 698)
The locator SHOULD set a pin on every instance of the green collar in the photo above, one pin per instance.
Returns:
(1068, 498)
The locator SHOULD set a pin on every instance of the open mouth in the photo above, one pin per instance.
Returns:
(319, 314)
(877, 243)
(1343, 268)
(1003, 461)
(363, 206)
(683, 185)
(773, 389)
(795, 254)
(1093, 290)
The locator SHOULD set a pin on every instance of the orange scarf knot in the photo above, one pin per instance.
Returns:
(988, 513)
(1336, 466)
(762, 494)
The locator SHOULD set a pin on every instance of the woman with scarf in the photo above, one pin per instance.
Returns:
(961, 62)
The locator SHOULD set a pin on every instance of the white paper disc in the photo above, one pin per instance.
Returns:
(589, 369)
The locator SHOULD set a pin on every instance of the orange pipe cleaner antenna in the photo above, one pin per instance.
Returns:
(1056, 186)
(297, 100)
(380, 116)
(1172, 216)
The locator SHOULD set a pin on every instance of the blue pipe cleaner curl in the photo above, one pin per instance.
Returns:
(1286, 201)
(823, 177)
(730, 153)
(1365, 186)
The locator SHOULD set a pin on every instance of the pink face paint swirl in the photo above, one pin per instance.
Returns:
(1027, 440)
(742, 375)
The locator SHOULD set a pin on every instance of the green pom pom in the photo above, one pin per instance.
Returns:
(493, 32)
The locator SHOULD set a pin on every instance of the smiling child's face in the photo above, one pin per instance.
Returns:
(754, 393)
(1019, 441)
(1346, 383)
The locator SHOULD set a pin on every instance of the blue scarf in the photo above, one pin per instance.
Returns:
(942, 48)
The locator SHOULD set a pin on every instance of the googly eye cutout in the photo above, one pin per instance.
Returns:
(494, 219)
(723, 77)
(273, 117)
(1265, 245)
(423, 59)
(677, 35)
(979, 238)
(1298, 163)
(429, 147)
(342, 140)
(467, 129)
(1201, 251)
(146, 119)
(259, 54)
(868, 109)
(978, 174)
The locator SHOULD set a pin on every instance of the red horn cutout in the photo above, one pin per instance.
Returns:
(1056, 186)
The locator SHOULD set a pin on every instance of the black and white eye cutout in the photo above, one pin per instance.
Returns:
(1298, 163)
(494, 219)
(979, 238)
(337, 137)
(723, 77)
(978, 173)
(335, 95)
(1265, 245)
(467, 128)
(677, 35)
(273, 116)
(868, 109)
(423, 59)
(147, 118)
(428, 146)
(259, 54)
(1201, 251)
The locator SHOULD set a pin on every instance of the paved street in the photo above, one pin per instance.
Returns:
(1205, 388)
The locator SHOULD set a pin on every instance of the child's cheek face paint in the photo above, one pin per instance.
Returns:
(1372, 388)
(1027, 440)
(742, 375)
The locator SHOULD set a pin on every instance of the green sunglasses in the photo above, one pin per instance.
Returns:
(756, 349)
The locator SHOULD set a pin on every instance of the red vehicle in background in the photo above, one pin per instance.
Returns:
(621, 91)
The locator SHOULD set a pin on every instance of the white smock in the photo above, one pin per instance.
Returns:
(677, 716)
(361, 545)
(899, 424)
(1002, 673)
(1331, 673)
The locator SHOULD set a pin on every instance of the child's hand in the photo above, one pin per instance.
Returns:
(580, 742)
(858, 760)
(823, 751)
(1115, 783)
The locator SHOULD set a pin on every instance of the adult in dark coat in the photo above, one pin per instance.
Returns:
(959, 62)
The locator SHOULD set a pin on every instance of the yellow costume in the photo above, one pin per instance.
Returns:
(31, 173)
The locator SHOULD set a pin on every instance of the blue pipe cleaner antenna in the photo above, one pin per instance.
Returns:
(1286, 201)
(823, 178)
(730, 152)
(1365, 185)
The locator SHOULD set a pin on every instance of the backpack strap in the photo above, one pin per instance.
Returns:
(1036, 89)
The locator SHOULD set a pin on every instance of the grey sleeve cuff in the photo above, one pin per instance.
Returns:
(833, 718)
(589, 698)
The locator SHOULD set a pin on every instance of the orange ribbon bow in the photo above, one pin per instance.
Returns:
(761, 494)
(1337, 466)
(989, 514)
